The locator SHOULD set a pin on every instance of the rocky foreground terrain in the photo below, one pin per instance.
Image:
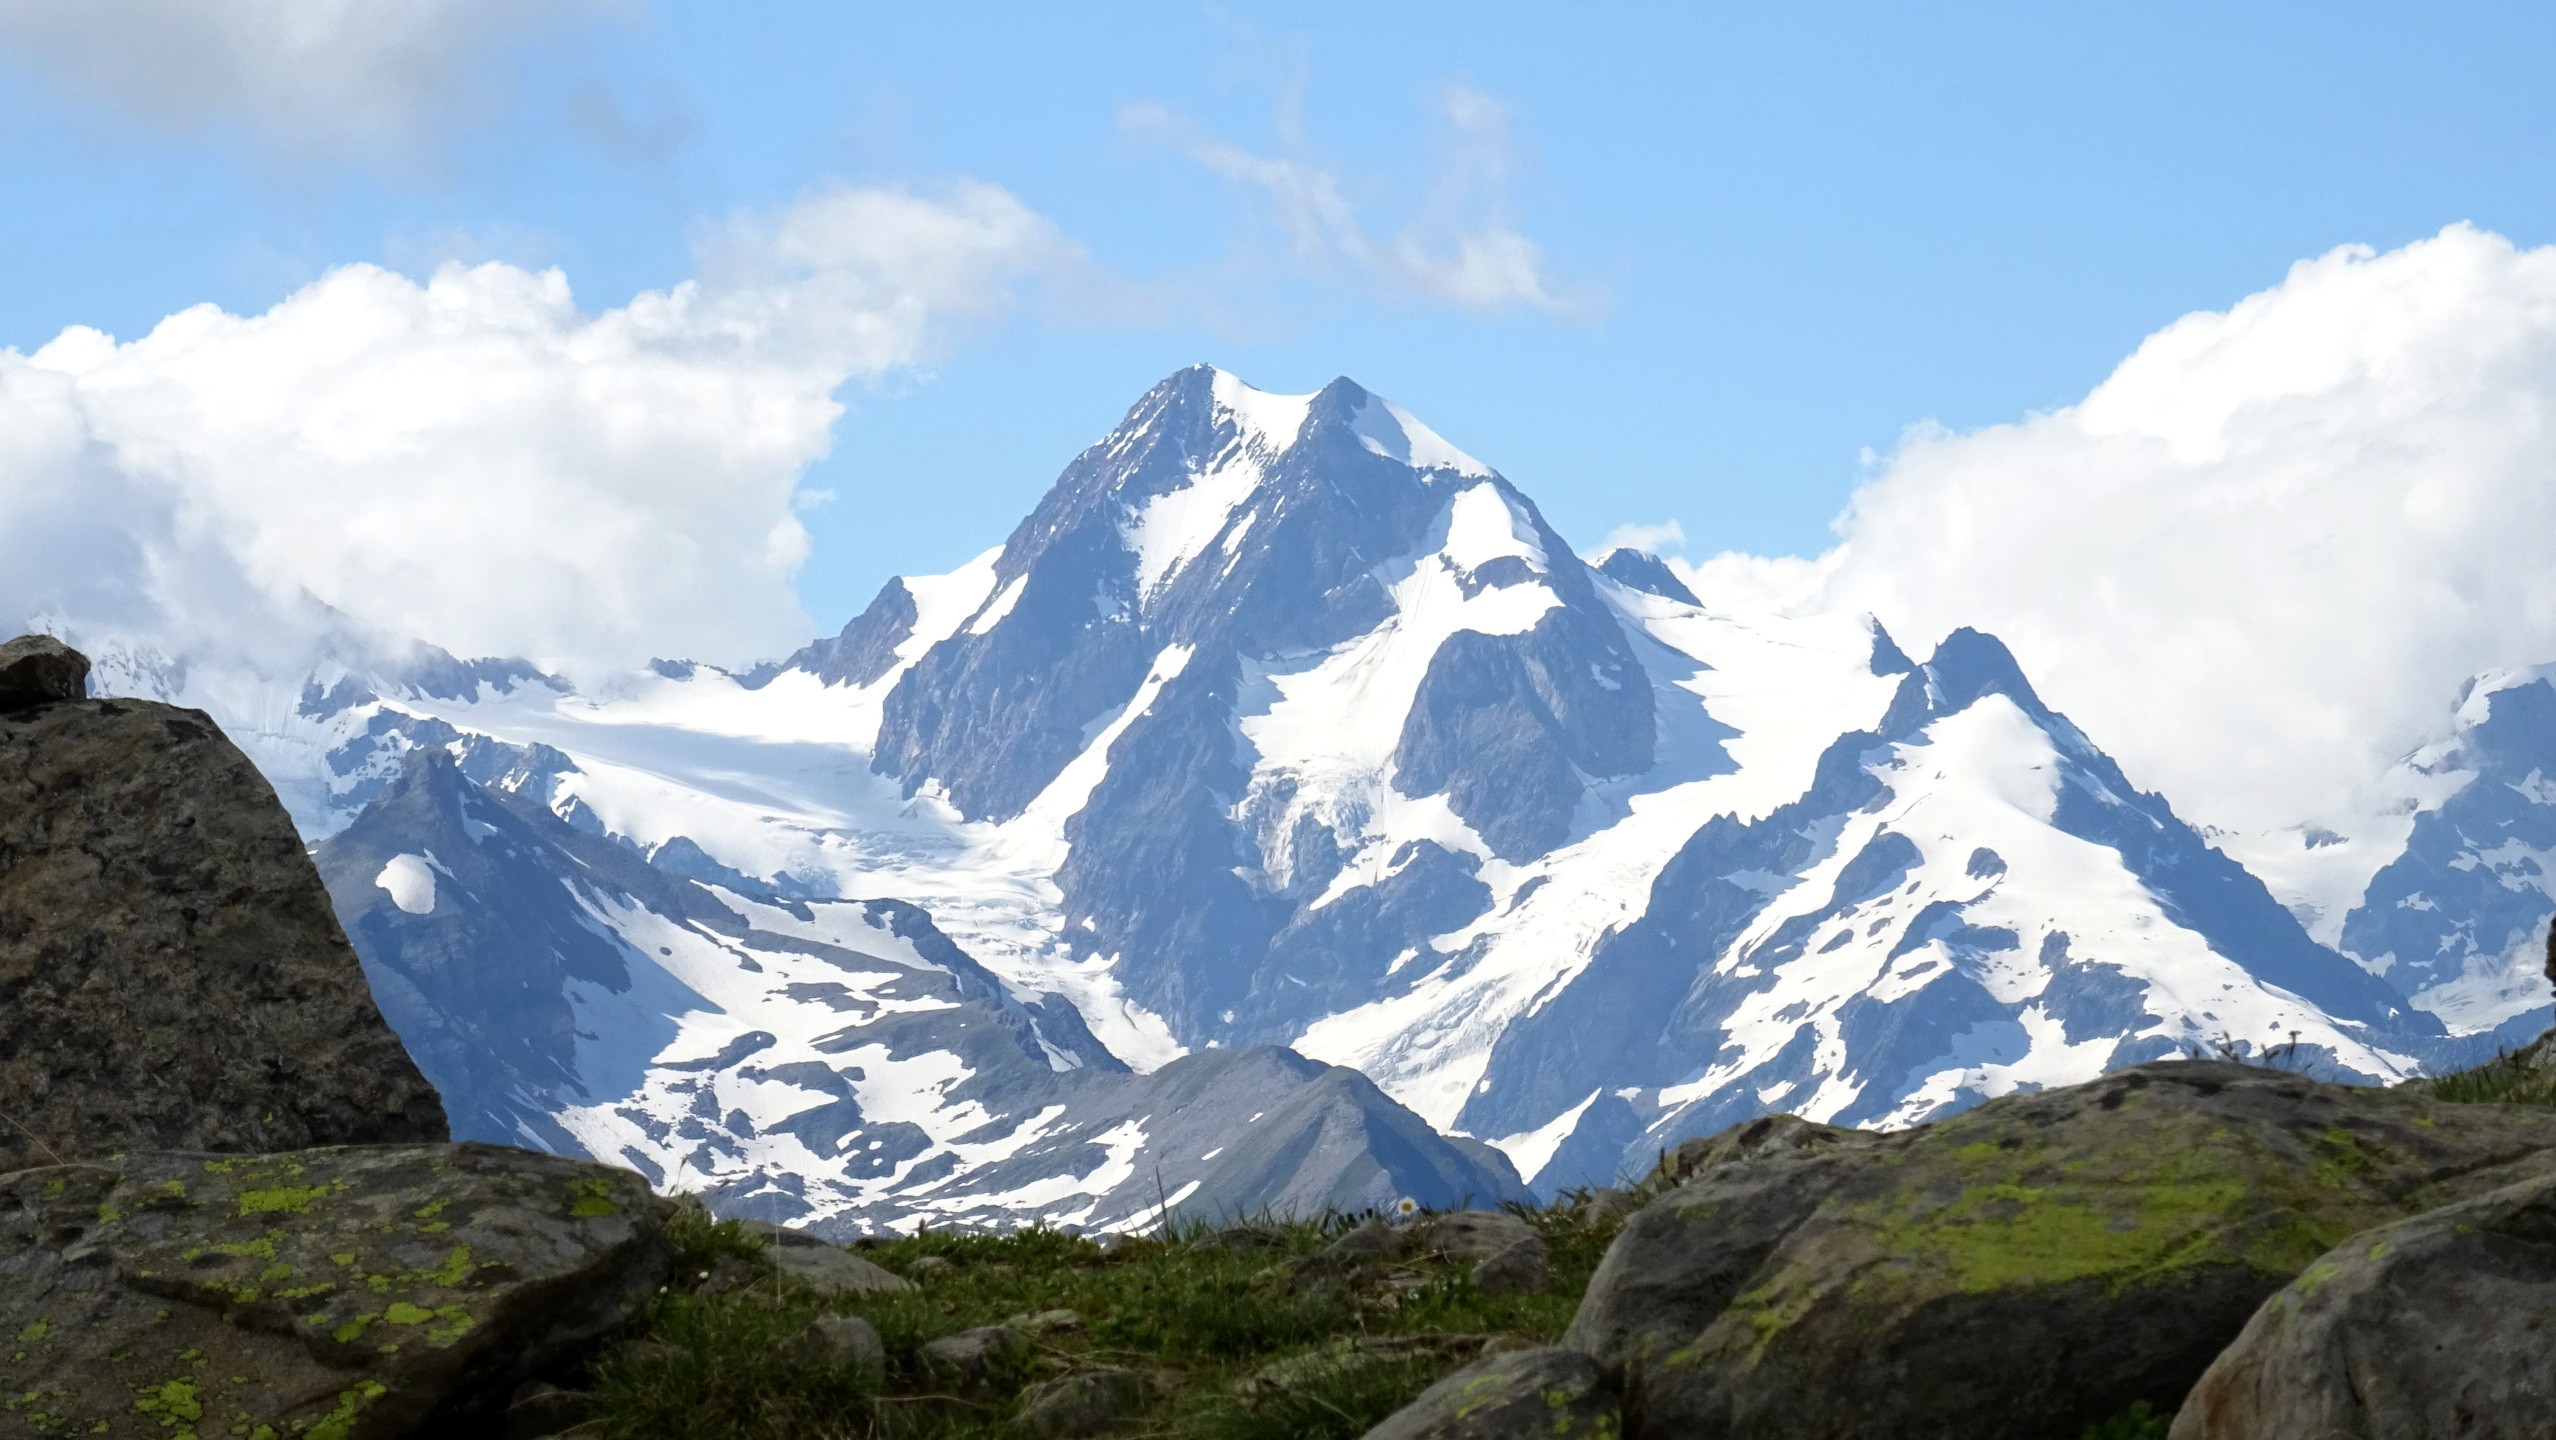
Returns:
(237, 1213)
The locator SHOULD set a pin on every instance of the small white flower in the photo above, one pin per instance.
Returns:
(1405, 1208)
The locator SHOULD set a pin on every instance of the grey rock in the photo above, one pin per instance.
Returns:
(1765, 1135)
(1352, 1352)
(847, 1342)
(1079, 1404)
(1046, 1322)
(1517, 1270)
(384, 1288)
(2023, 1270)
(1605, 1206)
(1529, 1394)
(171, 976)
(40, 670)
(2442, 1325)
(1373, 1240)
(1507, 1254)
(820, 1265)
(971, 1359)
(925, 1266)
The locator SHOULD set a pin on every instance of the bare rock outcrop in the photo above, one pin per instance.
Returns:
(172, 976)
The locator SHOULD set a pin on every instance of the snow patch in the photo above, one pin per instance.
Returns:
(410, 879)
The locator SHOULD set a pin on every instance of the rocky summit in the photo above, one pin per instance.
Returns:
(171, 973)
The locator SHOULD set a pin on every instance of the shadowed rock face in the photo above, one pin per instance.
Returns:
(171, 974)
(2024, 1270)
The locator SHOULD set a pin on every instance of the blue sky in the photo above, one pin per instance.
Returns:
(1779, 235)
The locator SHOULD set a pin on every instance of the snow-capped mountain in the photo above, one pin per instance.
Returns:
(2445, 884)
(1282, 721)
(835, 1063)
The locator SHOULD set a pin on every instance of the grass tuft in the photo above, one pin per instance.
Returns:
(1236, 1340)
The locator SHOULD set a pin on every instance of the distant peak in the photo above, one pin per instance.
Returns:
(1281, 421)
(1641, 570)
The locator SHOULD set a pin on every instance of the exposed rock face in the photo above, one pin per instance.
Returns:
(40, 670)
(171, 974)
(336, 1294)
(2435, 1326)
(2023, 1270)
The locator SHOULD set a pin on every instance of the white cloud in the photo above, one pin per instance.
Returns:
(324, 75)
(1458, 248)
(2258, 560)
(475, 462)
(1649, 539)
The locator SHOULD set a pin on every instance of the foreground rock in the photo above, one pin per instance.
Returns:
(2023, 1270)
(1539, 1393)
(171, 974)
(336, 1294)
(2441, 1325)
(821, 1265)
(40, 670)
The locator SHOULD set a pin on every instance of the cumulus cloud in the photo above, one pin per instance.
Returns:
(2260, 559)
(1459, 248)
(473, 461)
(313, 74)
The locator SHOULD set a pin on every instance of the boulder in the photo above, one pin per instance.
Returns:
(171, 974)
(826, 1268)
(1374, 1240)
(1531, 1394)
(2441, 1325)
(1506, 1253)
(847, 1342)
(971, 1359)
(350, 1292)
(2023, 1270)
(40, 670)
(1082, 1403)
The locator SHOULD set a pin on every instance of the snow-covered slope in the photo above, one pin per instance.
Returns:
(2444, 885)
(1280, 720)
(840, 1064)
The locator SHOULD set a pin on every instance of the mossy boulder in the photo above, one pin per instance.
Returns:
(332, 1294)
(2441, 1325)
(2022, 1270)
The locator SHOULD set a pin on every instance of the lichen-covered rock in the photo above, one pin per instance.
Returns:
(2442, 1325)
(40, 670)
(335, 1294)
(1533, 1394)
(171, 974)
(2023, 1270)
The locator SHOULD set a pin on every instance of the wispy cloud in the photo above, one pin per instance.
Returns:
(1459, 247)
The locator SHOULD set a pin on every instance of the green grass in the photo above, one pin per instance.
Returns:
(2142, 1421)
(2503, 1080)
(711, 1361)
